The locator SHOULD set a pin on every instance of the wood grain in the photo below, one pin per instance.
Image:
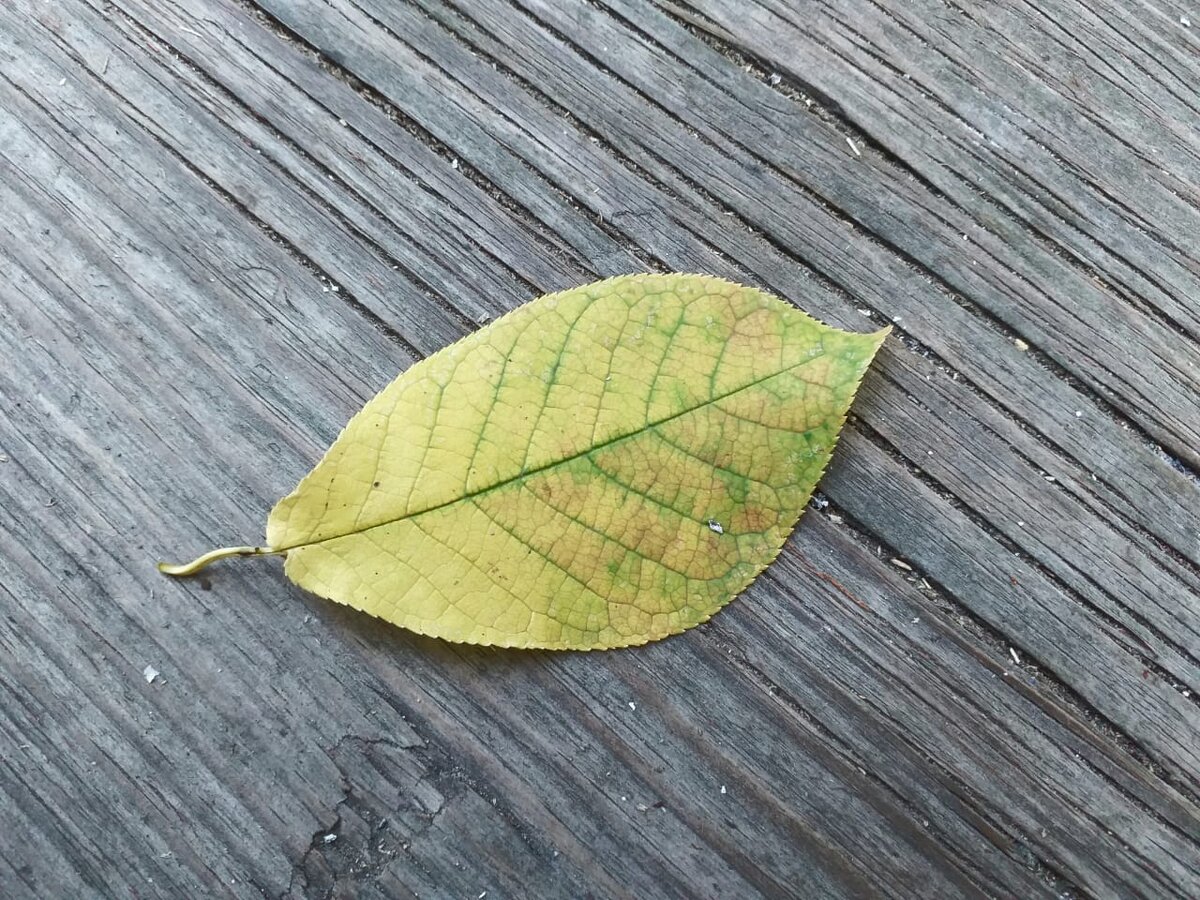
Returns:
(973, 670)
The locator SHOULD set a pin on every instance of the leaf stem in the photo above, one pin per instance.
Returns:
(185, 569)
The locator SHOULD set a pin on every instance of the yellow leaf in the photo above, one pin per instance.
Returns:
(601, 467)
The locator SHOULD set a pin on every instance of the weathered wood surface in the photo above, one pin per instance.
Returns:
(225, 225)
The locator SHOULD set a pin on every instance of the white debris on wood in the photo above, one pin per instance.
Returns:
(714, 525)
(1020, 344)
(633, 706)
(1013, 652)
(901, 564)
(1185, 21)
(329, 838)
(775, 78)
(723, 791)
(149, 673)
(857, 152)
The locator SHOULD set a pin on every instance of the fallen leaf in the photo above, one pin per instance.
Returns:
(600, 468)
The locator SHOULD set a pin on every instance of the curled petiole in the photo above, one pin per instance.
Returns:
(184, 569)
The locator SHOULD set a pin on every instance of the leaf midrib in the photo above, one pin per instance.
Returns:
(526, 473)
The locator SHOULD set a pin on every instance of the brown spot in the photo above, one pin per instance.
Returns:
(756, 520)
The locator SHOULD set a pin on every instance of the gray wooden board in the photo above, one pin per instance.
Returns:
(973, 670)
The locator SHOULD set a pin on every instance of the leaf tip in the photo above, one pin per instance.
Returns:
(873, 341)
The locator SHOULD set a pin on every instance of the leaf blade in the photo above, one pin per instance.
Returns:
(543, 518)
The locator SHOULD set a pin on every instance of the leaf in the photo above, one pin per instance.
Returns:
(600, 468)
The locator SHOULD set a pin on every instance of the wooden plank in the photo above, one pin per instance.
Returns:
(186, 185)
